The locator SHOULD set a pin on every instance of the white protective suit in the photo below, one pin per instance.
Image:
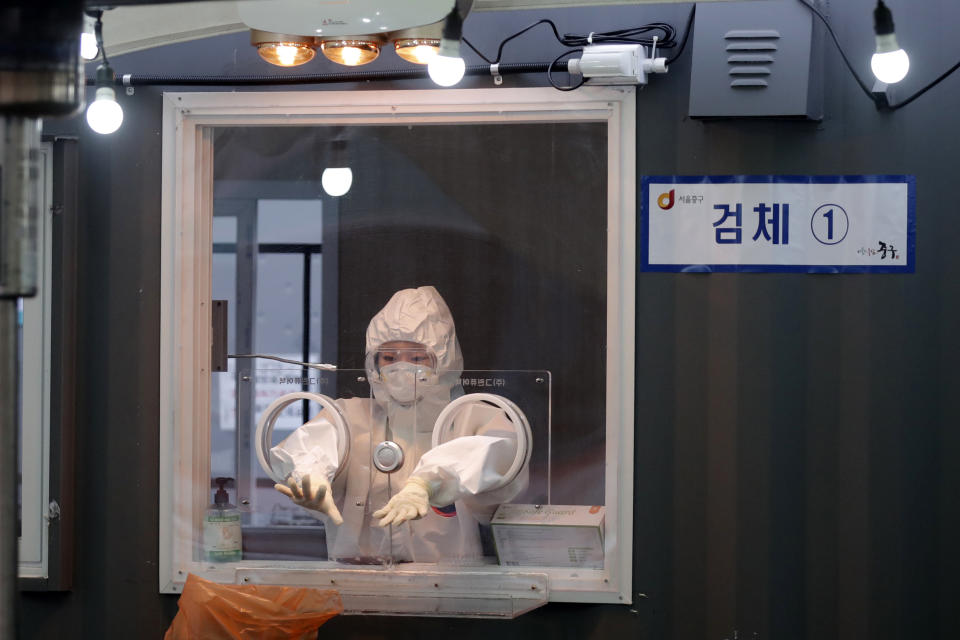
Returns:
(464, 476)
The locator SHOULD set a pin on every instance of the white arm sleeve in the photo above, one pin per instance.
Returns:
(469, 466)
(310, 449)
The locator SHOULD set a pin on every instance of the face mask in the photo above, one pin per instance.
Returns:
(404, 381)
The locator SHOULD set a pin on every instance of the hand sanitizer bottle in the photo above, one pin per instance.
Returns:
(221, 528)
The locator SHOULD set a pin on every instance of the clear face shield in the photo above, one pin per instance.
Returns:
(404, 371)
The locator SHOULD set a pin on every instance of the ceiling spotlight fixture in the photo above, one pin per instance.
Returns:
(337, 177)
(88, 39)
(890, 63)
(417, 50)
(447, 67)
(283, 50)
(352, 52)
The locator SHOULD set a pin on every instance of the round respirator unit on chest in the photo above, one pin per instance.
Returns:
(387, 456)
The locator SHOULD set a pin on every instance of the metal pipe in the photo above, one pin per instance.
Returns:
(19, 157)
(40, 74)
(138, 80)
(19, 211)
(9, 370)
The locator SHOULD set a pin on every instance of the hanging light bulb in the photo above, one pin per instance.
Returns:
(337, 177)
(446, 71)
(890, 63)
(417, 50)
(88, 39)
(104, 115)
(336, 181)
(351, 52)
(282, 49)
(447, 67)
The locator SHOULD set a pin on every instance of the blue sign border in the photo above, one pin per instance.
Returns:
(644, 225)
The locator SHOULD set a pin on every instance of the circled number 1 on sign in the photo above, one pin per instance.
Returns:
(829, 224)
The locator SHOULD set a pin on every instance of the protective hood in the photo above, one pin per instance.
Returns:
(417, 315)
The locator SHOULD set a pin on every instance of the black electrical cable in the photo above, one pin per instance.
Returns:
(904, 103)
(550, 76)
(843, 54)
(620, 36)
(686, 34)
(477, 51)
(879, 101)
(98, 33)
(326, 78)
(578, 42)
(523, 31)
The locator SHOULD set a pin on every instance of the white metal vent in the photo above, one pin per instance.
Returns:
(750, 56)
(755, 59)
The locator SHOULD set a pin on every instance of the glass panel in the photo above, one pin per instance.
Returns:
(290, 221)
(279, 320)
(224, 229)
(19, 417)
(223, 387)
(518, 250)
(316, 308)
(514, 438)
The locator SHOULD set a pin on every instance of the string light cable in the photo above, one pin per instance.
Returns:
(879, 99)
(98, 33)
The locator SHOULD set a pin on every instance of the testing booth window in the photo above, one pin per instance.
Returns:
(397, 348)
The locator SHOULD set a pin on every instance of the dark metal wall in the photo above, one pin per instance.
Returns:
(796, 435)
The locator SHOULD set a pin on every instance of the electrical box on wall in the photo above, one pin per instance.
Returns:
(756, 59)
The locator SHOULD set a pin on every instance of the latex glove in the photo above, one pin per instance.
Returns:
(315, 493)
(410, 503)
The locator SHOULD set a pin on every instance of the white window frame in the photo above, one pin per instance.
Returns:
(185, 295)
(33, 547)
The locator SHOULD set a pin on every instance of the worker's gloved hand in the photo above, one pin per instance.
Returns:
(410, 503)
(313, 492)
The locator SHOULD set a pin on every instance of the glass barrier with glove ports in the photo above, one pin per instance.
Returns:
(431, 471)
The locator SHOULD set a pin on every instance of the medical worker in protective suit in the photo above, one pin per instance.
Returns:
(428, 509)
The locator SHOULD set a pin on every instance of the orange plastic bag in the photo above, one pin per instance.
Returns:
(212, 611)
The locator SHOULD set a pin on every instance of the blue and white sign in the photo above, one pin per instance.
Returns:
(811, 224)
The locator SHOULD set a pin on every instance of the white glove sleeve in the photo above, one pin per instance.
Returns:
(470, 466)
(312, 492)
(310, 449)
(410, 503)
